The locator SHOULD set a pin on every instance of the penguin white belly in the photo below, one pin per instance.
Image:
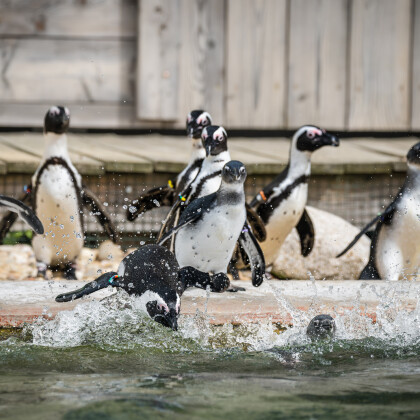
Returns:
(283, 219)
(398, 245)
(57, 206)
(208, 246)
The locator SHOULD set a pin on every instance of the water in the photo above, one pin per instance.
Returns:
(106, 360)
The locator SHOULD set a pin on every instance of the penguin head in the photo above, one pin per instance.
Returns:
(321, 326)
(57, 120)
(214, 138)
(310, 138)
(165, 310)
(413, 156)
(196, 121)
(234, 172)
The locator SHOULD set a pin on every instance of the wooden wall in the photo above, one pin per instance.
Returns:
(266, 64)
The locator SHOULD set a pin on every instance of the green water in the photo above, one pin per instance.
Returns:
(102, 362)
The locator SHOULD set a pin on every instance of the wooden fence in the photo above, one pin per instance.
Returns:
(265, 64)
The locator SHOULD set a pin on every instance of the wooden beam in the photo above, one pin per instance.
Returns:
(157, 60)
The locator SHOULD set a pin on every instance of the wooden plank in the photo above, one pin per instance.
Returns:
(62, 71)
(317, 63)
(256, 63)
(380, 65)
(396, 147)
(157, 63)
(32, 143)
(16, 160)
(415, 92)
(81, 18)
(106, 149)
(202, 52)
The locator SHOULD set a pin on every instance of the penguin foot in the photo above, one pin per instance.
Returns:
(70, 272)
(42, 270)
(234, 289)
(219, 282)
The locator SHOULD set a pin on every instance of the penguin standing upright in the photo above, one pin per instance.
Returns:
(167, 194)
(281, 204)
(152, 273)
(395, 244)
(210, 226)
(57, 197)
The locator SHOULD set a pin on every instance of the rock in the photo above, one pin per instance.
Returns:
(332, 235)
(17, 262)
(109, 251)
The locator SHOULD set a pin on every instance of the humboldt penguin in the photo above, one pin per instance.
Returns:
(281, 204)
(57, 197)
(210, 226)
(395, 243)
(153, 273)
(167, 194)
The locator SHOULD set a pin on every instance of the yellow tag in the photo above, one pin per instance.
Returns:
(170, 183)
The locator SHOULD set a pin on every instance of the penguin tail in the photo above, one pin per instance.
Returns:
(102, 282)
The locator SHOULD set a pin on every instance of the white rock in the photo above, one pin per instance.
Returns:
(332, 235)
(110, 251)
(17, 262)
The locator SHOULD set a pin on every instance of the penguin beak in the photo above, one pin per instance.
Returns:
(208, 149)
(171, 320)
(332, 140)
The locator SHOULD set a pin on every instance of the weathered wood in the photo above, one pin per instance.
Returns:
(317, 63)
(380, 65)
(80, 18)
(256, 63)
(63, 71)
(33, 144)
(17, 161)
(415, 111)
(202, 54)
(157, 63)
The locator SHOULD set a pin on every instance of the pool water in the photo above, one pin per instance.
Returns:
(106, 360)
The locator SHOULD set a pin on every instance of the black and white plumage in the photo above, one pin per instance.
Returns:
(23, 211)
(57, 197)
(153, 273)
(281, 204)
(166, 195)
(321, 326)
(210, 226)
(395, 244)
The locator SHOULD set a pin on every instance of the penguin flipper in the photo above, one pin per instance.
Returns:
(192, 218)
(156, 197)
(257, 225)
(103, 281)
(169, 220)
(92, 202)
(191, 277)
(256, 257)
(23, 211)
(306, 232)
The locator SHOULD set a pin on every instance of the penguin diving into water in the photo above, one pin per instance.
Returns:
(57, 197)
(210, 226)
(167, 194)
(23, 211)
(395, 243)
(153, 273)
(281, 204)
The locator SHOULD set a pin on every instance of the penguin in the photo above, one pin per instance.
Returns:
(281, 204)
(153, 273)
(166, 195)
(58, 196)
(210, 226)
(395, 243)
(320, 327)
(23, 211)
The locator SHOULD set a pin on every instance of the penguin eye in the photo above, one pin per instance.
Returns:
(204, 123)
(316, 323)
(310, 134)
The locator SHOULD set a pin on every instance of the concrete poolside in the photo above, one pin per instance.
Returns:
(24, 301)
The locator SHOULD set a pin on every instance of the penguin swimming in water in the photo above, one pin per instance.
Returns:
(166, 195)
(395, 244)
(23, 211)
(153, 273)
(321, 326)
(57, 197)
(210, 226)
(281, 204)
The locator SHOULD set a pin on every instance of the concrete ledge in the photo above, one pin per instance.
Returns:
(23, 301)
